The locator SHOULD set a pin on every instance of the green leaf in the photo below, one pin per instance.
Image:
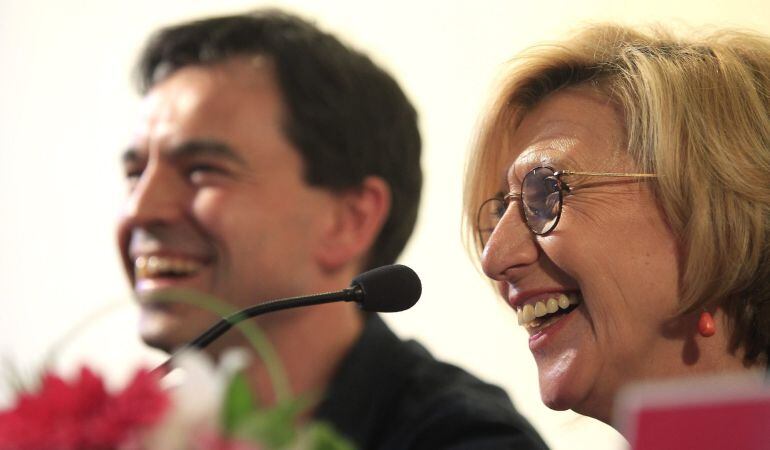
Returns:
(275, 427)
(19, 380)
(239, 403)
(322, 436)
(249, 329)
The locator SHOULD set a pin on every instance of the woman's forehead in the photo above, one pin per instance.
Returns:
(576, 127)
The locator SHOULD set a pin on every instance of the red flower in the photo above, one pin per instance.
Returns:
(82, 414)
(217, 442)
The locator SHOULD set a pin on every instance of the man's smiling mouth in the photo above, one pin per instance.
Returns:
(155, 266)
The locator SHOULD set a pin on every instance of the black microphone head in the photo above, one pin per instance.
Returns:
(388, 288)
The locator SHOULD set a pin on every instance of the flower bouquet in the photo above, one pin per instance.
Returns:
(211, 408)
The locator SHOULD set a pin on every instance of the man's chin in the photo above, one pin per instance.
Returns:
(161, 330)
(167, 325)
(159, 343)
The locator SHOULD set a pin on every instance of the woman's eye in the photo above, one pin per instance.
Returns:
(501, 208)
(552, 184)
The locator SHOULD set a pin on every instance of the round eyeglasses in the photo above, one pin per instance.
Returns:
(541, 198)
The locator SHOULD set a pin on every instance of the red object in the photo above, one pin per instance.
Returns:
(708, 414)
(706, 326)
(81, 414)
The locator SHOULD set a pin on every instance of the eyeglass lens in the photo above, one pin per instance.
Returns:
(489, 216)
(541, 197)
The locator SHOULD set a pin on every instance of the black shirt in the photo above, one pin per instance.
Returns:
(391, 394)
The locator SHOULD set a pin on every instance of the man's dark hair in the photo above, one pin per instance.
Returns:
(346, 116)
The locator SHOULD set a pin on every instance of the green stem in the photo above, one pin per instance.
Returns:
(76, 330)
(251, 332)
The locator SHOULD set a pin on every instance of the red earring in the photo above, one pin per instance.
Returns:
(706, 325)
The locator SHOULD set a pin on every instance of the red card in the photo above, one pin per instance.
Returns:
(704, 414)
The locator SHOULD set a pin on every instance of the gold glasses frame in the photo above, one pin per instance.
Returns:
(563, 187)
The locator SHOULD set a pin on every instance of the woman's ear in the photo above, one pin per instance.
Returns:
(359, 215)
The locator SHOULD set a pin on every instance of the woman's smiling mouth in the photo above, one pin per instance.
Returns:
(539, 314)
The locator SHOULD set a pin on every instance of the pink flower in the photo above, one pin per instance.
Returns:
(81, 414)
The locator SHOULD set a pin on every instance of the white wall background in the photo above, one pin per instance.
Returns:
(66, 110)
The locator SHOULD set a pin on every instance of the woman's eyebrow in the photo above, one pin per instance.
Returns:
(532, 159)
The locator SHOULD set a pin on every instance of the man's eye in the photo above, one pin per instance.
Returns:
(132, 174)
(198, 173)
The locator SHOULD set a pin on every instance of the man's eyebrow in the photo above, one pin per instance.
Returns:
(205, 147)
(130, 155)
(191, 149)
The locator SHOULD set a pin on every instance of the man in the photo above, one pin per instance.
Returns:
(273, 161)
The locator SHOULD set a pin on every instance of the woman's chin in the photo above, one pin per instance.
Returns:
(565, 386)
(557, 403)
(559, 398)
(576, 396)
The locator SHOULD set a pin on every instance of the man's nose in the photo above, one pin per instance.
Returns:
(157, 198)
(511, 246)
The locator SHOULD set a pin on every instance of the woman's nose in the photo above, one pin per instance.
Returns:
(510, 246)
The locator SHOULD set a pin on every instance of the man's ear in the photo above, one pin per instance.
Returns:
(359, 215)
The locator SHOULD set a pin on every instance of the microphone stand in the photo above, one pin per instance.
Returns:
(351, 294)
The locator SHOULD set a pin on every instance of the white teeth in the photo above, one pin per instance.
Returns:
(153, 266)
(163, 264)
(529, 314)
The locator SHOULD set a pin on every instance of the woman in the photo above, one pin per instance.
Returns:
(628, 220)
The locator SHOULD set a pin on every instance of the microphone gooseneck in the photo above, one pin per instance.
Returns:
(353, 293)
(390, 288)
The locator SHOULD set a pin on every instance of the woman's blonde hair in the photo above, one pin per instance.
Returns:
(697, 113)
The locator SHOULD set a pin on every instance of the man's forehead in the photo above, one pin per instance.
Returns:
(241, 71)
(187, 89)
(205, 93)
(162, 105)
